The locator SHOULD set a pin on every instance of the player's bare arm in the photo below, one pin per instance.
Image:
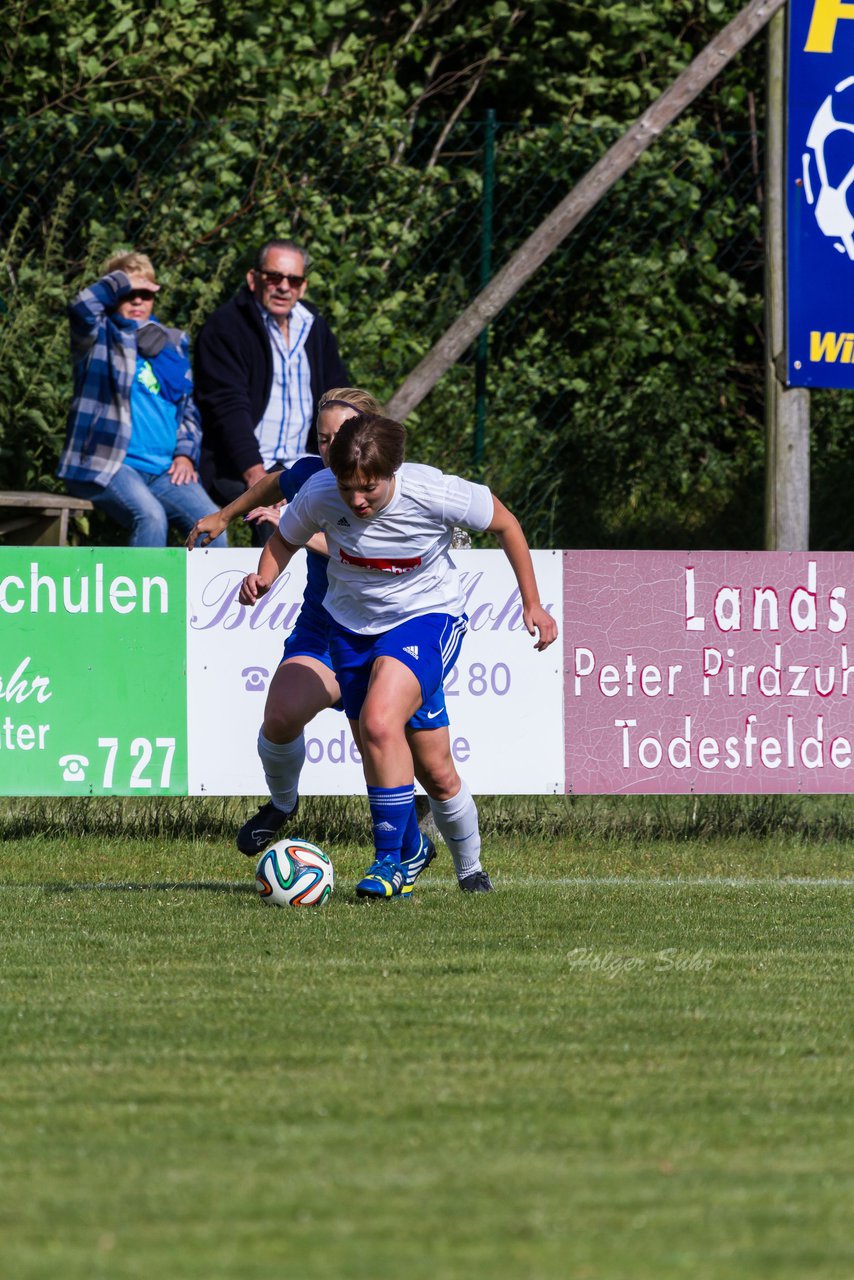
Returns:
(317, 543)
(262, 494)
(275, 556)
(514, 544)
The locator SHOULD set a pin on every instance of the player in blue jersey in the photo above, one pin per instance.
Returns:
(395, 602)
(305, 684)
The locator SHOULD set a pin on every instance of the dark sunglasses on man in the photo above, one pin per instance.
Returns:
(275, 278)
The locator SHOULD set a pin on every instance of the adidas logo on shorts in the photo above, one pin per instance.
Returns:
(411, 649)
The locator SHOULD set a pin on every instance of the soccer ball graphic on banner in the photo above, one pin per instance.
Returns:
(294, 873)
(828, 166)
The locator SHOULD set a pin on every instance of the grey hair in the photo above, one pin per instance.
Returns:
(282, 244)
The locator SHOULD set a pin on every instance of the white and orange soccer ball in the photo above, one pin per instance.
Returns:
(294, 873)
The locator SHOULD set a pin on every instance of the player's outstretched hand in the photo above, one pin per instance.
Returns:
(252, 588)
(266, 515)
(205, 530)
(542, 625)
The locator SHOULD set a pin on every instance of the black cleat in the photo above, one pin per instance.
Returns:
(477, 882)
(259, 832)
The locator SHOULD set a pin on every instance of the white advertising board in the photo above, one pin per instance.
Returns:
(504, 699)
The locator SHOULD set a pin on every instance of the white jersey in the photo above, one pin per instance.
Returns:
(396, 564)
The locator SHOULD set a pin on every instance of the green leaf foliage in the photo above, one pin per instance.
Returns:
(624, 384)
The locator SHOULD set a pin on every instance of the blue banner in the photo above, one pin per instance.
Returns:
(820, 194)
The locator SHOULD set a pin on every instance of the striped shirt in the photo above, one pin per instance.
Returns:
(283, 430)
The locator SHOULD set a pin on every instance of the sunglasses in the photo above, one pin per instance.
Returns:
(275, 278)
(140, 295)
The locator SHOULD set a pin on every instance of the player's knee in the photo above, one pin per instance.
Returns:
(378, 730)
(281, 726)
(441, 781)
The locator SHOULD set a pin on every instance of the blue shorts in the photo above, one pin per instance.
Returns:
(428, 646)
(310, 639)
(310, 636)
(432, 714)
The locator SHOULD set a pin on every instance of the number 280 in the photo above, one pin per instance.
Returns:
(480, 680)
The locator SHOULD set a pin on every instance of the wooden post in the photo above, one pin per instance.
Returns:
(482, 357)
(580, 200)
(787, 410)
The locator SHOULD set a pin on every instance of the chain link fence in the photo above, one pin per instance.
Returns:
(595, 404)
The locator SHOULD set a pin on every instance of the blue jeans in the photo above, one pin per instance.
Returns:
(148, 504)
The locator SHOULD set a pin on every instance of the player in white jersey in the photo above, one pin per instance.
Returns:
(395, 600)
(305, 684)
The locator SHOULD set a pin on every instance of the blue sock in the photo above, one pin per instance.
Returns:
(411, 843)
(392, 812)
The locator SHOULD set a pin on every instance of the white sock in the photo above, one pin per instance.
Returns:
(457, 821)
(283, 762)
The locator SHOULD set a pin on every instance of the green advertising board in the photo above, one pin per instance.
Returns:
(93, 671)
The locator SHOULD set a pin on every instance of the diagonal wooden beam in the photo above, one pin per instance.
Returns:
(578, 203)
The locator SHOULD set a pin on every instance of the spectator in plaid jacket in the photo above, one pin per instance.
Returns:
(133, 434)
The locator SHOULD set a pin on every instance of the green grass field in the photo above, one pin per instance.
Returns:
(631, 1062)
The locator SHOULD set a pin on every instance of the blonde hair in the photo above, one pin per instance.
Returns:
(133, 264)
(349, 398)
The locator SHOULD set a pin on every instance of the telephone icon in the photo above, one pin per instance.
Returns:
(255, 678)
(73, 768)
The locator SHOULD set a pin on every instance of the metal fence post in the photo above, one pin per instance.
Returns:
(485, 277)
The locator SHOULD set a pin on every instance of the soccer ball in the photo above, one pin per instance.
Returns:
(294, 873)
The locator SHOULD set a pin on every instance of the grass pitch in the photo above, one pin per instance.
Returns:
(631, 1061)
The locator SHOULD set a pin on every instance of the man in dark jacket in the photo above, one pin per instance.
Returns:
(262, 362)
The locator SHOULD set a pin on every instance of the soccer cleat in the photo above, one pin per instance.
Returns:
(477, 882)
(385, 878)
(260, 831)
(412, 867)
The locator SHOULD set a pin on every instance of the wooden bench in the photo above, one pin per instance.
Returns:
(38, 519)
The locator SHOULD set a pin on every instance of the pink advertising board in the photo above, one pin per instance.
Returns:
(708, 672)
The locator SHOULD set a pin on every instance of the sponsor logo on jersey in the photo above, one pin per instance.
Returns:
(344, 522)
(381, 564)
